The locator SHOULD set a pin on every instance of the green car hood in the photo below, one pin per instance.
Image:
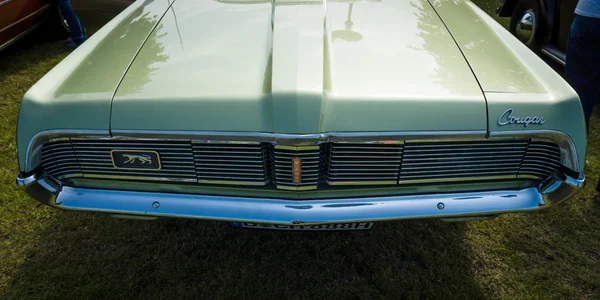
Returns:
(299, 67)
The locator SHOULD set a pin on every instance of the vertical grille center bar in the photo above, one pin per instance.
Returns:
(296, 168)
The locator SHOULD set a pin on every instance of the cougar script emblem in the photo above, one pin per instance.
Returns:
(508, 118)
(135, 159)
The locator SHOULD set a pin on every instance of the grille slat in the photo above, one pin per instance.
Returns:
(454, 171)
(58, 151)
(134, 173)
(59, 159)
(230, 163)
(449, 145)
(332, 163)
(168, 173)
(411, 159)
(460, 162)
(444, 161)
(449, 176)
(480, 165)
(542, 160)
(95, 158)
(356, 164)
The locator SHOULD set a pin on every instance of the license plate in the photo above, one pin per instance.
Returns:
(318, 227)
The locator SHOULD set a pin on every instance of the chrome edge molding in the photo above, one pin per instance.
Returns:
(4, 2)
(561, 59)
(568, 153)
(298, 140)
(26, 32)
(34, 147)
(569, 156)
(306, 212)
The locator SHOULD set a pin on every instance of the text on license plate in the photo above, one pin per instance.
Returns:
(323, 227)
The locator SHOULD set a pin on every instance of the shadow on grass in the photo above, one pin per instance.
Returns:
(45, 44)
(94, 256)
(38, 46)
(556, 252)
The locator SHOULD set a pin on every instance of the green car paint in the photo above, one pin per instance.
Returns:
(300, 67)
(512, 76)
(299, 77)
(77, 93)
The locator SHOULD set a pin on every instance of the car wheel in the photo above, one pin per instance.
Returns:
(526, 24)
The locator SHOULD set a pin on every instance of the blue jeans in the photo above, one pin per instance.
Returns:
(583, 64)
(583, 61)
(77, 32)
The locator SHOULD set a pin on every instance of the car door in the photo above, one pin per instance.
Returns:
(566, 14)
(18, 16)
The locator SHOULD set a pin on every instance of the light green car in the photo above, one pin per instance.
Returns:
(302, 115)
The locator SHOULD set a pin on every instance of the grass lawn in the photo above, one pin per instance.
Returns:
(50, 253)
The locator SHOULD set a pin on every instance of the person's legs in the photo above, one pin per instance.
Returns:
(583, 61)
(583, 64)
(77, 32)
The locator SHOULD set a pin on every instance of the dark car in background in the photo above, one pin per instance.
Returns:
(542, 25)
(20, 17)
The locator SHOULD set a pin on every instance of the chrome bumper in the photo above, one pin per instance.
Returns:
(276, 211)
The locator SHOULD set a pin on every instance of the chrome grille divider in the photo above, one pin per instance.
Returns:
(282, 160)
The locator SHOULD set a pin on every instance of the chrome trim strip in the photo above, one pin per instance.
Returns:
(525, 176)
(366, 182)
(24, 18)
(300, 139)
(20, 36)
(297, 188)
(457, 179)
(297, 148)
(305, 212)
(5, 2)
(134, 177)
(163, 179)
(232, 182)
(554, 56)
(26, 181)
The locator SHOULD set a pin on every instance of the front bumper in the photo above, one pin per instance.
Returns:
(276, 211)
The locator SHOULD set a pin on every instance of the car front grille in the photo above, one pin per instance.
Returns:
(369, 163)
(461, 160)
(230, 163)
(93, 159)
(307, 167)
